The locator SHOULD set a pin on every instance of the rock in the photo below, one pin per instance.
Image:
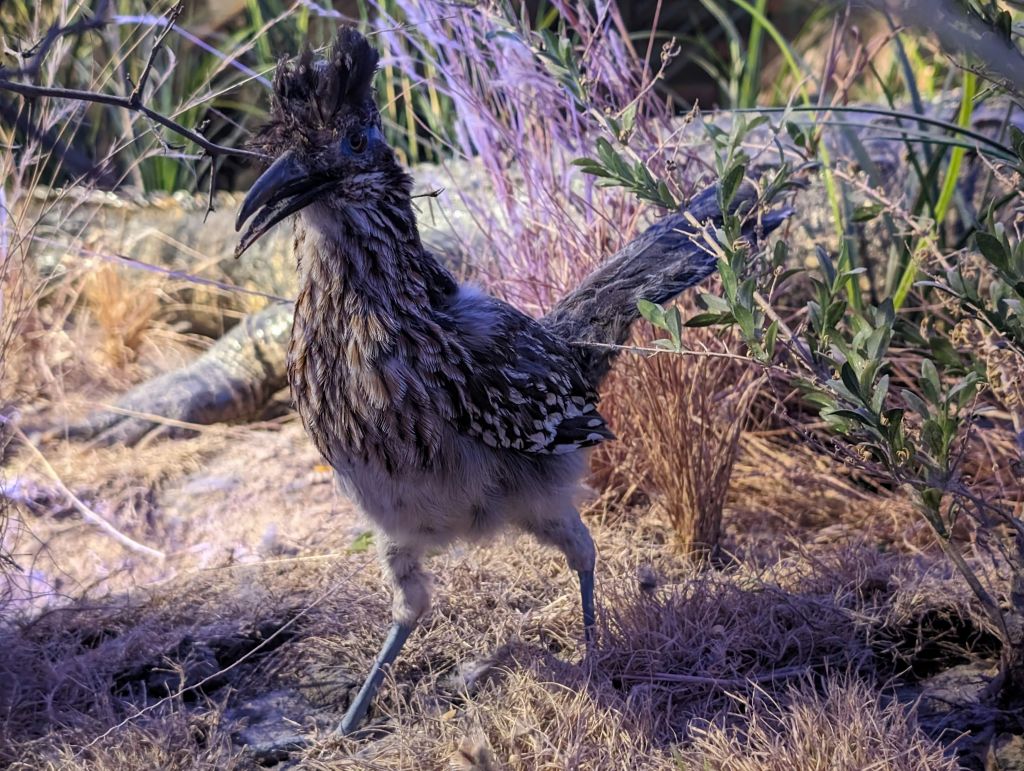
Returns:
(1006, 753)
(955, 688)
(274, 725)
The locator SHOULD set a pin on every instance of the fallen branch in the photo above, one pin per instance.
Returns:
(87, 514)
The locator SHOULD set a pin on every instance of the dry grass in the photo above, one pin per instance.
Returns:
(840, 725)
(498, 664)
(123, 312)
(692, 666)
(108, 661)
(681, 418)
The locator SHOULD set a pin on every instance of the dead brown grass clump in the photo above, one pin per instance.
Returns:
(123, 314)
(681, 419)
(788, 492)
(840, 725)
(181, 740)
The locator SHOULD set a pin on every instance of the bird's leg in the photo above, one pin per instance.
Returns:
(587, 596)
(571, 536)
(411, 600)
(357, 709)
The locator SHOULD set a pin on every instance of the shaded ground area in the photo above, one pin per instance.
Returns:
(808, 648)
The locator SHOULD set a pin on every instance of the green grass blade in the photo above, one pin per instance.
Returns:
(970, 86)
(752, 66)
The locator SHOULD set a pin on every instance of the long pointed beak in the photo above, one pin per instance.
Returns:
(281, 190)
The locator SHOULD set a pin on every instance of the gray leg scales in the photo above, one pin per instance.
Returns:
(397, 636)
(587, 596)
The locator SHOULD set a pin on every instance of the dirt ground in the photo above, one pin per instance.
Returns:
(829, 641)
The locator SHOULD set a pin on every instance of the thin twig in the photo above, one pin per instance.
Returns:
(163, 420)
(135, 97)
(671, 351)
(718, 682)
(177, 275)
(38, 52)
(124, 102)
(88, 514)
(210, 208)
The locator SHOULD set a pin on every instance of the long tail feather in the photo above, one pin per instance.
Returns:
(664, 260)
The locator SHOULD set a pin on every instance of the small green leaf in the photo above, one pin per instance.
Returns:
(877, 343)
(729, 185)
(858, 416)
(878, 397)
(914, 402)
(769, 339)
(652, 312)
(834, 314)
(992, 249)
(930, 383)
(729, 283)
(797, 134)
(757, 122)
(779, 255)
(850, 379)
(709, 319)
(716, 133)
(825, 262)
(963, 391)
(629, 117)
(362, 543)
(745, 319)
(820, 399)
(867, 212)
(894, 418)
(665, 197)
(673, 323)
(714, 303)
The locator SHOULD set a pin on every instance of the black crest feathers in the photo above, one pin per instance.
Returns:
(311, 92)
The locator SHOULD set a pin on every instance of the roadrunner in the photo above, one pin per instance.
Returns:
(445, 412)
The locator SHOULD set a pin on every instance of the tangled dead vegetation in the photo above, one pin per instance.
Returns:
(239, 651)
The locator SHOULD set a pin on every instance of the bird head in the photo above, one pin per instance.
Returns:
(323, 135)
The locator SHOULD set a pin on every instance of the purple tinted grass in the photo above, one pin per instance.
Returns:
(546, 223)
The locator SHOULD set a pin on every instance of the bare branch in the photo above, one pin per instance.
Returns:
(135, 97)
(134, 102)
(124, 102)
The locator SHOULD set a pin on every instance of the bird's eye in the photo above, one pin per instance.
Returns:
(357, 141)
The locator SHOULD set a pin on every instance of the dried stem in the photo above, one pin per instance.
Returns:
(88, 514)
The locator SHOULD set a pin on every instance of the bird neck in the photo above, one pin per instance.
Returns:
(365, 258)
(368, 289)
